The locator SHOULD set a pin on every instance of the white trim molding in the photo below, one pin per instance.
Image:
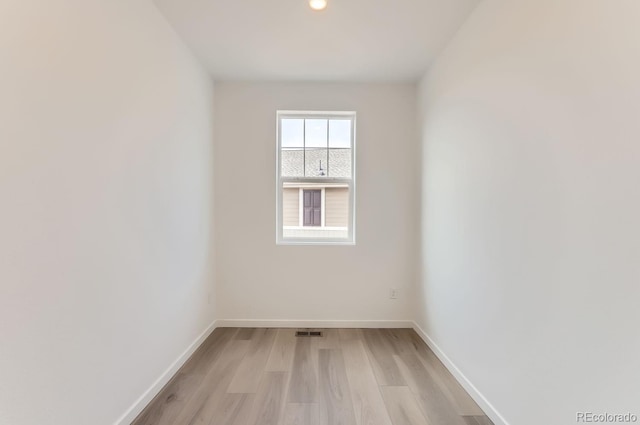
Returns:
(300, 207)
(142, 402)
(276, 323)
(323, 209)
(475, 394)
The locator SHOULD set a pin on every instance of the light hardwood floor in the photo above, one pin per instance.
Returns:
(264, 376)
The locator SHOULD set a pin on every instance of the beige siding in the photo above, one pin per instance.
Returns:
(337, 207)
(290, 201)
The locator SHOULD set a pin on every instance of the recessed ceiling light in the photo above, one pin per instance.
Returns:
(318, 4)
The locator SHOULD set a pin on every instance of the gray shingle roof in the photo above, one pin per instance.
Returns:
(335, 163)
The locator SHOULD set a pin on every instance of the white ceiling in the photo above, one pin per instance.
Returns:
(284, 40)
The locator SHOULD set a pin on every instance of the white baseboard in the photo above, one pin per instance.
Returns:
(155, 388)
(477, 396)
(260, 323)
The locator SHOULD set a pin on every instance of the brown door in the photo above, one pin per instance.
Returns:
(312, 207)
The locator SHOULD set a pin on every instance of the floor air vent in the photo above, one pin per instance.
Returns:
(308, 333)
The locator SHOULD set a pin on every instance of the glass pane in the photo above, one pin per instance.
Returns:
(292, 162)
(290, 205)
(315, 133)
(315, 211)
(339, 148)
(292, 145)
(315, 162)
(339, 163)
(292, 133)
(339, 133)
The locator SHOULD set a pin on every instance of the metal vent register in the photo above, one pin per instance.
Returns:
(308, 333)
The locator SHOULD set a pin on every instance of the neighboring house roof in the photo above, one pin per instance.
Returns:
(335, 163)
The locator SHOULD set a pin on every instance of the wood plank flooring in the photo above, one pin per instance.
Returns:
(248, 376)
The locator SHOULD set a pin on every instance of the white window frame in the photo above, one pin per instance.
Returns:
(351, 183)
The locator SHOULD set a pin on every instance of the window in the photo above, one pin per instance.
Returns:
(315, 178)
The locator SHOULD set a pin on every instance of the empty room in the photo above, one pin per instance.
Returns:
(319, 212)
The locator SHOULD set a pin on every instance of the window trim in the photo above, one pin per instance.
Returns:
(351, 183)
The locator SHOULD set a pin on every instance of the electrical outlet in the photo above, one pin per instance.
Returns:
(393, 293)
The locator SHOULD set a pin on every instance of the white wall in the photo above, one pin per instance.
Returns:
(531, 241)
(106, 187)
(259, 280)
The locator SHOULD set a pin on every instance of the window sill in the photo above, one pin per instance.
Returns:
(315, 242)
